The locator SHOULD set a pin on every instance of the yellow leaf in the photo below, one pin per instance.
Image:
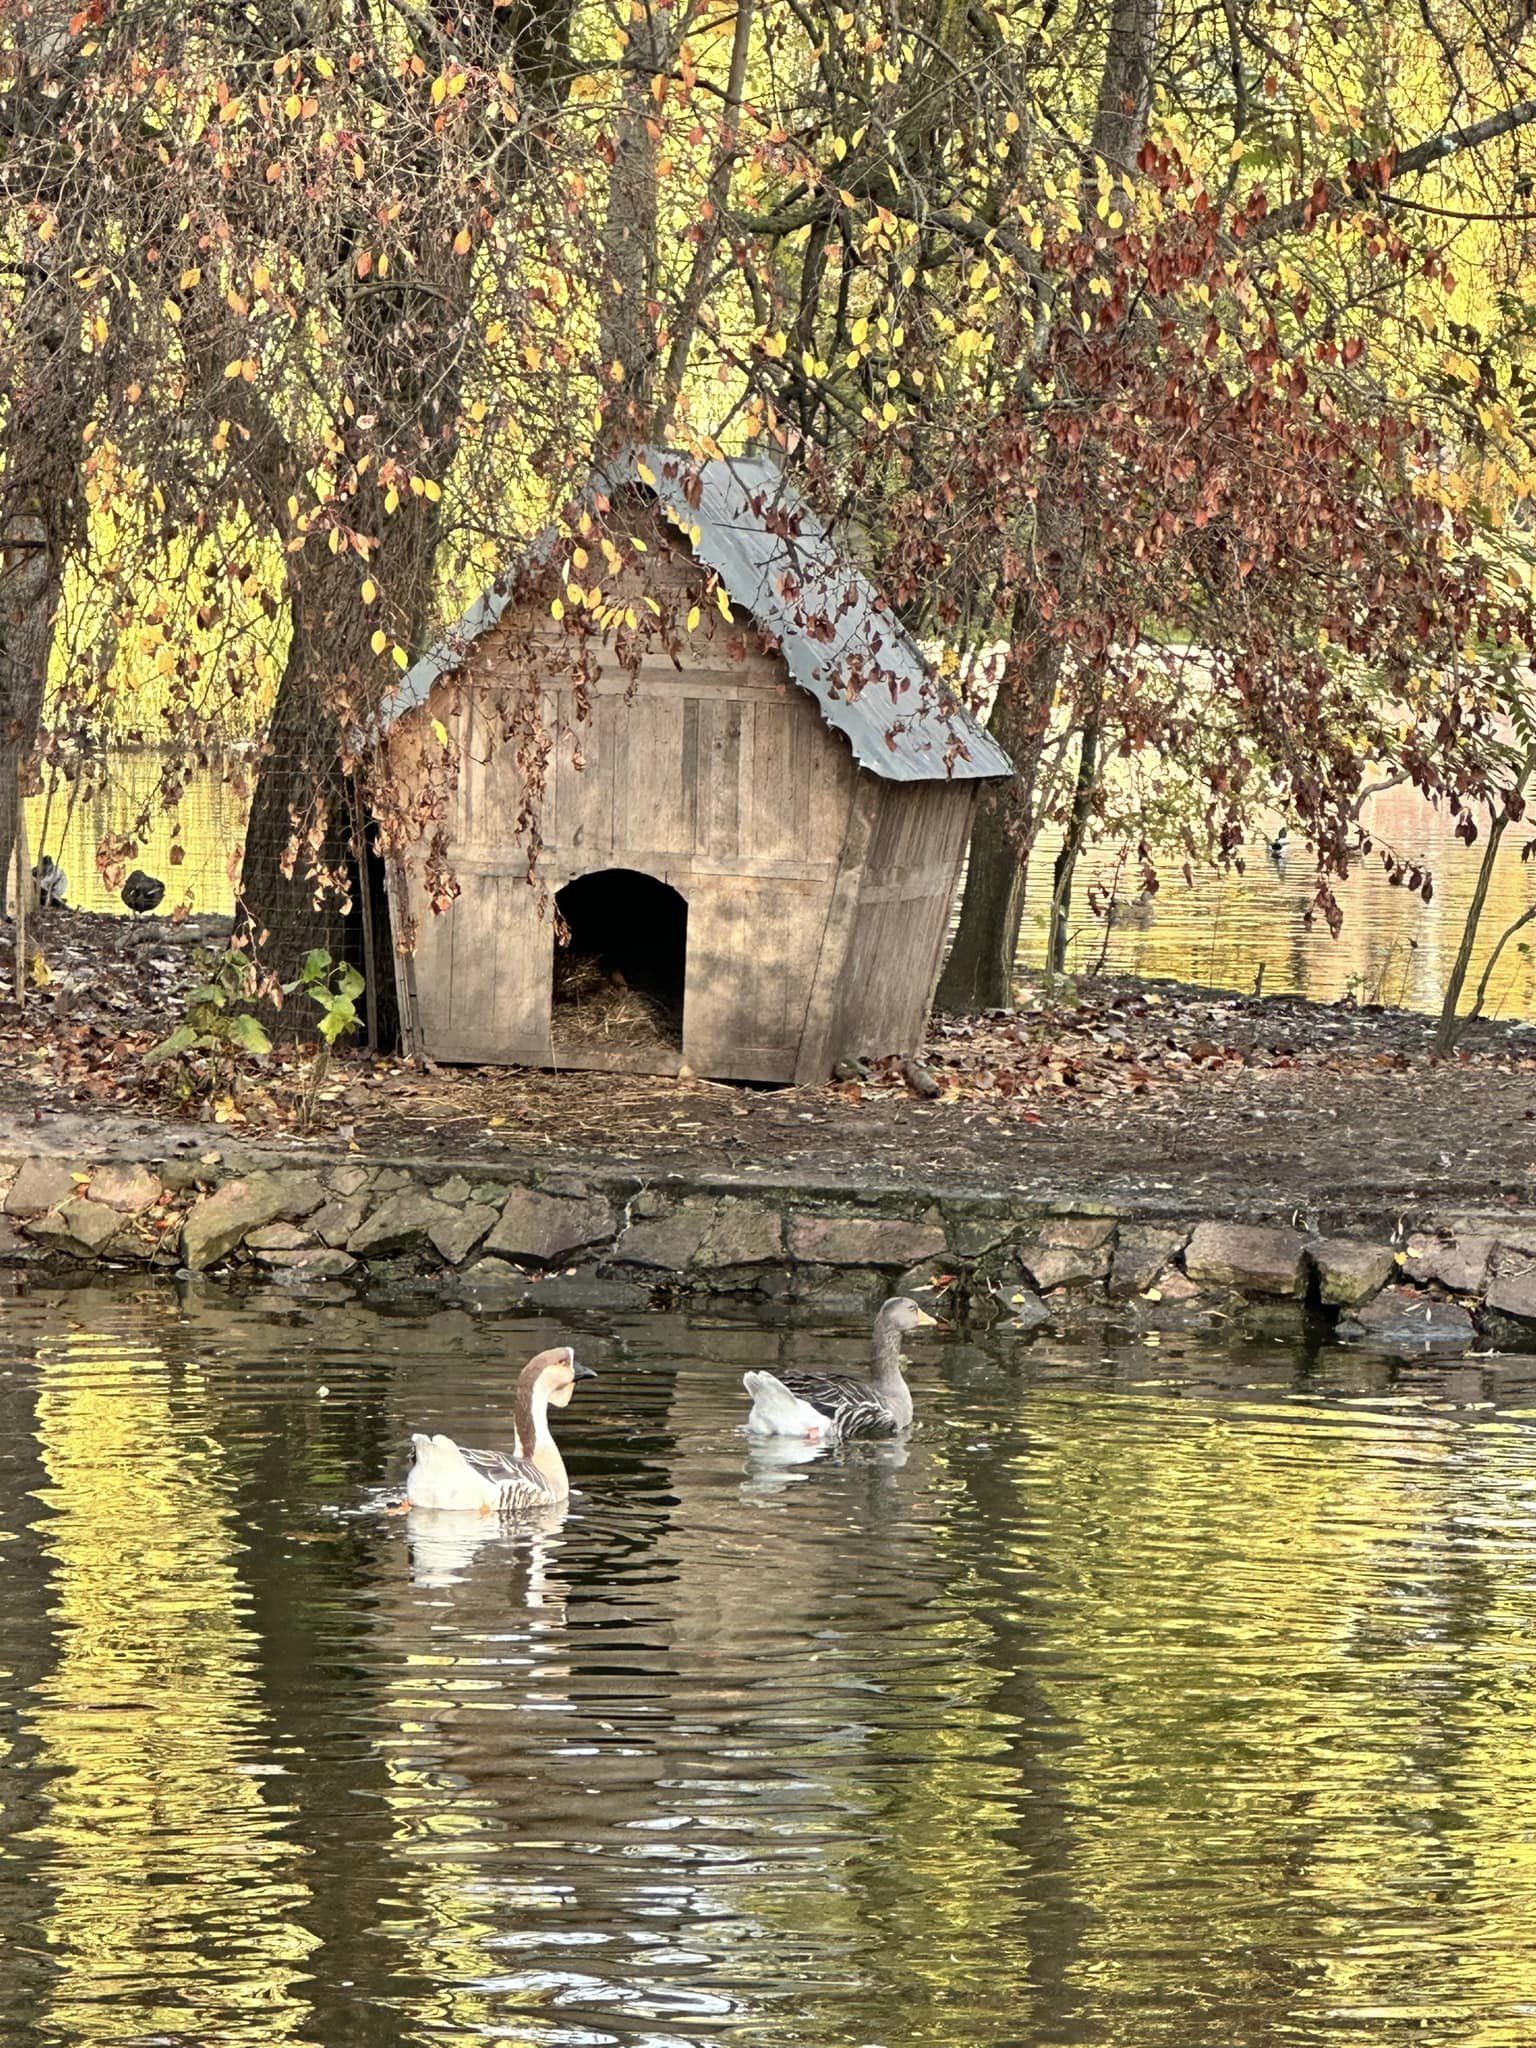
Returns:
(401, 658)
(440, 732)
(431, 491)
(462, 242)
(439, 91)
(191, 278)
(37, 971)
(693, 617)
(233, 369)
(370, 590)
(724, 603)
(646, 476)
(325, 67)
(379, 641)
(556, 609)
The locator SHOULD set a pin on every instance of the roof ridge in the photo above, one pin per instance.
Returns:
(932, 737)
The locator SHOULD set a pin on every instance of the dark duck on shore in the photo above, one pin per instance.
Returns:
(49, 882)
(142, 893)
(447, 1477)
(829, 1408)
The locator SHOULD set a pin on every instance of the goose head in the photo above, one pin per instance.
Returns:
(901, 1316)
(554, 1375)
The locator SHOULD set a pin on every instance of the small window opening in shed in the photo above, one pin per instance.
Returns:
(619, 974)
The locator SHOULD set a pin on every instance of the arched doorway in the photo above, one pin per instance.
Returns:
(621, 957)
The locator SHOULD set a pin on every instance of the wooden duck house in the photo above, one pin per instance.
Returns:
(751, 831)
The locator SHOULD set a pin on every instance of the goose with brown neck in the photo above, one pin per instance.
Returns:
(448, 1476)
(829, 1407)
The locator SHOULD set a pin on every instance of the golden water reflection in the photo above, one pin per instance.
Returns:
(1146, 1700)
(1221, 930)
(173, 1899)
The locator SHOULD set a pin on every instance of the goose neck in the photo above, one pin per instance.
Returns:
(530, 1416)
(887, 1354)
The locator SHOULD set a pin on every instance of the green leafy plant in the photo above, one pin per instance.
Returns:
(334, 987)
(218, 1031)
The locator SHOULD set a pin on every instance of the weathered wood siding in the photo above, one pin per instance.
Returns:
(719, 779)
(905, 891)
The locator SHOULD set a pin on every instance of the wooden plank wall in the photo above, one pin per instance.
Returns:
(899, 930)
(720, 778)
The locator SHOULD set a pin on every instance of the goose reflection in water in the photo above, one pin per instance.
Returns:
(443, 1550)
(775, 1462)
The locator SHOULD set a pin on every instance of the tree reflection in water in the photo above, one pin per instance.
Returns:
(1160, 1700)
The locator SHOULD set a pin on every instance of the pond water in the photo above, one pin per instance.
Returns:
(1158, 1698)
(1218, 930)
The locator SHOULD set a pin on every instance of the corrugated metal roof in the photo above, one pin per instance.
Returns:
(778, 563)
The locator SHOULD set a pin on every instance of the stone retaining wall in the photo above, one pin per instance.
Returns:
(559, 1239)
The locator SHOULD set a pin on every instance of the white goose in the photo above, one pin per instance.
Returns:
(447, 1476)
(830, 1408)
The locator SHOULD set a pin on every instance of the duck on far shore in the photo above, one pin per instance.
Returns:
(142, 893)
(49, 882)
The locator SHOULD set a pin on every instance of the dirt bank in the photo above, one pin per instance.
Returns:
(1199, 1102)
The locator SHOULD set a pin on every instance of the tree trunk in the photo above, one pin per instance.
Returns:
(1446, 1031)
(628, 333)
(299, 879)
(1072, 845)
(401, 355)
(1125, 84)
(298, 833)
(979, 971)
(29, 593)
(978, 975)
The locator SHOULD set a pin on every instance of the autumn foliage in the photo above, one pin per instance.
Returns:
(1168, 366)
